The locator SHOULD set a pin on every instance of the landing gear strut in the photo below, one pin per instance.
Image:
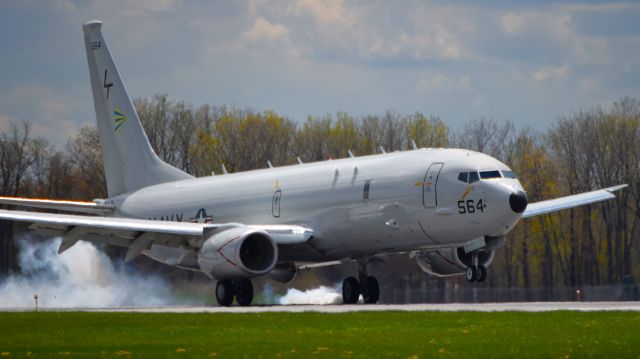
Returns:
(365, 284)
(241, 289)
(476, 272)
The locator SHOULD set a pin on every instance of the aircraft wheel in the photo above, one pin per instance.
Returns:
(482, 273)
(244, 292)
(224, 293)
(373, 291)
(350, 290)
(471, 273)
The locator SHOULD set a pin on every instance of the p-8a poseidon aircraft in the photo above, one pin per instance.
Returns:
(448, 208)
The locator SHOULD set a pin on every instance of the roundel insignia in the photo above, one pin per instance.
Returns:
(201, 217)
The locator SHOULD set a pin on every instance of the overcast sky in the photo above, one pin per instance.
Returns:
(524, 61)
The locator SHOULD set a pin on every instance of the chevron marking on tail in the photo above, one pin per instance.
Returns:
(119, 118)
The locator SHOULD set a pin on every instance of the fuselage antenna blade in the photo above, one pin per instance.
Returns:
(413, 143)
(224, 169)
(299, 160)
(382, 150)
(269, 164)
(350, 154)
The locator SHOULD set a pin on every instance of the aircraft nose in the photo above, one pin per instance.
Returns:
(518, 201)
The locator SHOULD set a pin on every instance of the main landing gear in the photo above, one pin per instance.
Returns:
(476, 272)
(241, 289)
(365, 284)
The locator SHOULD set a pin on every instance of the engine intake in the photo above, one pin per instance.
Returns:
(238, 252)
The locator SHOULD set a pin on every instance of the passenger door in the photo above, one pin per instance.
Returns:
(430, 184)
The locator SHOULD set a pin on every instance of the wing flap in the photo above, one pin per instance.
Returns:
(576, 200)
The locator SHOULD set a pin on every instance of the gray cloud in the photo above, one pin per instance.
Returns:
(527, 61)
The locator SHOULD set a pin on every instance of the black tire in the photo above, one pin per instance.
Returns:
(471, 273)
(350, 290)
(244, 292)
(373, 291)
(224, 293)
(482, 273)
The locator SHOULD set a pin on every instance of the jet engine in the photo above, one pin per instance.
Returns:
(238, 253)
(284, 273)
(450, 261)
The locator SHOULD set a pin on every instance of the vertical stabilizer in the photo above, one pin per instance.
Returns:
(129, 160)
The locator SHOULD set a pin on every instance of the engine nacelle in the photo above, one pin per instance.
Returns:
(238, 252)
(284, 273)
(450, 261)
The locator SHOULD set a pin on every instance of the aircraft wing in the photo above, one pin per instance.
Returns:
(137, 234)
(576, 200)
(67, 206)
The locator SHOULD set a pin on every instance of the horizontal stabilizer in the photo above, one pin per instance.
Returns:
(66, 206)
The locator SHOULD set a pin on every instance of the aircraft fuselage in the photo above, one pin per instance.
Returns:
(360, 206)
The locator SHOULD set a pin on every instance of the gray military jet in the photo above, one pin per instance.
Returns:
(448, 208)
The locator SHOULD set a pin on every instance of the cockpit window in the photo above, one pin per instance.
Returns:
(462, 177)
(509, 174)
(490, 174)
(473, 177)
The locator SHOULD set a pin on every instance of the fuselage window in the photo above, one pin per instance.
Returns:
(365, 192)
(462, 177)
(490, 174)
(473, 177)
(509, 174)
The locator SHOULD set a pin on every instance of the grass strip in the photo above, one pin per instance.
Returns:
(350, 335)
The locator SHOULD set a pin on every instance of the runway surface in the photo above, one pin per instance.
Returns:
(452, 307)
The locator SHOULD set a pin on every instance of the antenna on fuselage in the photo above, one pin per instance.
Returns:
(224, 169)
(413, 143)
(299, 160)
(350, 154)
(382, 150)
(269, 164)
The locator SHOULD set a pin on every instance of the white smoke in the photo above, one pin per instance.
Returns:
(320, 295)
(82, 276)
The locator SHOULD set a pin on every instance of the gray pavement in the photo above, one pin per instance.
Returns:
(451, 307)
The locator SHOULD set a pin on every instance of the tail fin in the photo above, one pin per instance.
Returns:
(129, 160)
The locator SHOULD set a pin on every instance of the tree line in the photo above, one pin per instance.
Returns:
(586, 150)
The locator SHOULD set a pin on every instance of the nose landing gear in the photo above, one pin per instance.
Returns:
(365, 284)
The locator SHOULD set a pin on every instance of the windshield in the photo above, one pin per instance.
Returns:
(490, 174)
(509, 174)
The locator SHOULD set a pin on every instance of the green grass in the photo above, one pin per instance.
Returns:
(359, 334)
